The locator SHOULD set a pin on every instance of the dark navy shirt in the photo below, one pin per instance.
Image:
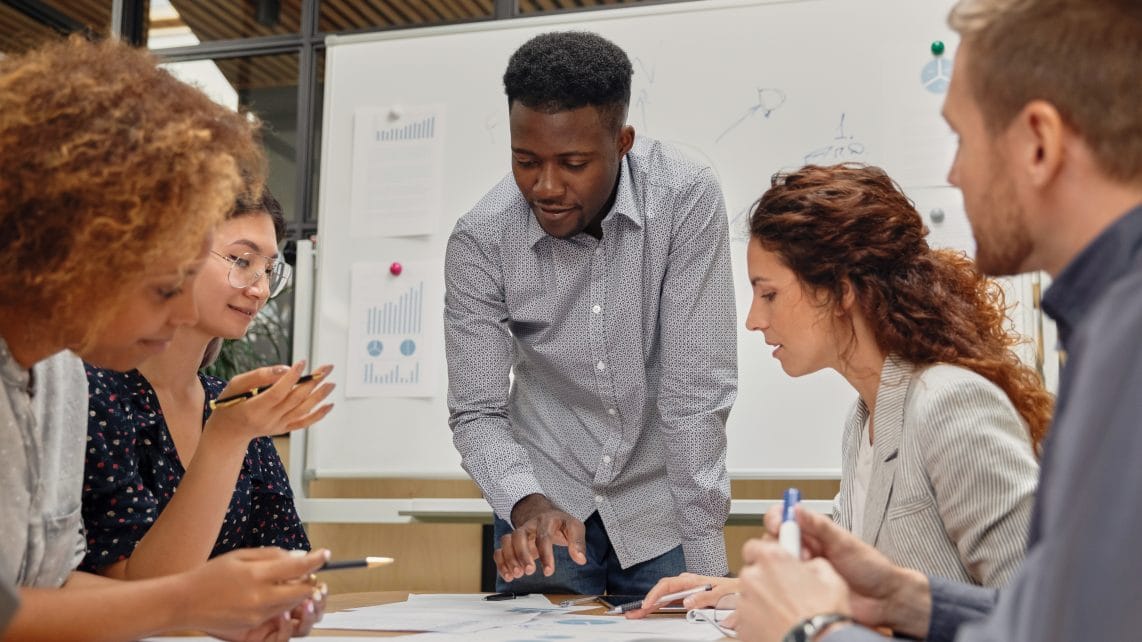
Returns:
(132, 470)
(1082, 577)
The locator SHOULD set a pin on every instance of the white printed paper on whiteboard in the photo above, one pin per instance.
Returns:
(394, 336)
(398, 171)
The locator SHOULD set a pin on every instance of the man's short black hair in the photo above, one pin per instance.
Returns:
(566, 70)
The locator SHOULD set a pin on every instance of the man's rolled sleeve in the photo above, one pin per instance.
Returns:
(953, 604)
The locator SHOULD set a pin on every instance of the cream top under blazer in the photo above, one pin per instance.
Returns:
(953, 476)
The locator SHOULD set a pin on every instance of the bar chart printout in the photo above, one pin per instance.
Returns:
(393, 343)
(398, 171)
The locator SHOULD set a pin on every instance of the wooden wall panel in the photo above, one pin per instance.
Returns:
(430, 557)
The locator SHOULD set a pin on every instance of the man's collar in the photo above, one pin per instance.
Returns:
(1084, 280)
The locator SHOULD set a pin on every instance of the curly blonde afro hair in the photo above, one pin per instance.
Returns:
(107, 163)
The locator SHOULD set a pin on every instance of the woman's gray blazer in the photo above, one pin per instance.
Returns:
(953, 478)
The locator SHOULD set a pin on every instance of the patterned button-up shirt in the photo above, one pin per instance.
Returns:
(133, 469)
(622, 354)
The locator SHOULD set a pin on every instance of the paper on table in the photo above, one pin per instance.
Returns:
(587, 628)
(672, 628)
(442, 613)
(516, 634)
(469, 601)
(195, 639)
(391, 617)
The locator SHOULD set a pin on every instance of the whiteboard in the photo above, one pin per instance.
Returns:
(747, 87)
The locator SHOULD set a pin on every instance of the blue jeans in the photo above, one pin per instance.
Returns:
(601, 574)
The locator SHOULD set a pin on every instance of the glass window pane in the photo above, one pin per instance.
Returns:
(267, 86)
(23, 30)
(356, 15)
(180, 23)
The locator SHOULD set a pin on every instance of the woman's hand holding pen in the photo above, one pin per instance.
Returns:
(248, 591)
(706, 599)
(303, 617)
(285, 406)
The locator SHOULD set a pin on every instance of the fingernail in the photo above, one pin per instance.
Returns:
(326, 554)
(316, 597)
(300, 365)
(297, 552)
(280, 370)
(324, 589)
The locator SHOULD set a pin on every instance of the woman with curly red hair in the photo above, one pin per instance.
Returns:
(938, 465)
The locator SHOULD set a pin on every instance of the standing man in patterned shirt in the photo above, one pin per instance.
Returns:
(598, 276)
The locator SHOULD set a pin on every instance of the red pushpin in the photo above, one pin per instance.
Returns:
(395, 268)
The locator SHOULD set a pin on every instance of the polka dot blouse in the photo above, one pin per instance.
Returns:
(132, 470)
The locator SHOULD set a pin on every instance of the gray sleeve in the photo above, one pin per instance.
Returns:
(698, 319)
(1082, 579)
(9, 603)
(60, 407)
(478, 346)
(954, 604)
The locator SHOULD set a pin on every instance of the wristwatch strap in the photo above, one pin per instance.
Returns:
(806, 630)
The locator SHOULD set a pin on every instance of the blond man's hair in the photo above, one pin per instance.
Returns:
(1082, 56)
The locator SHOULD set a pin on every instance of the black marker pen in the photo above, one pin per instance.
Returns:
(506, 595)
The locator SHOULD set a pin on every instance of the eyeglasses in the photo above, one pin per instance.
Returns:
(247, 267)
(721, 616)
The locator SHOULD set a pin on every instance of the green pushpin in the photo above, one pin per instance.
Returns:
(937, 47)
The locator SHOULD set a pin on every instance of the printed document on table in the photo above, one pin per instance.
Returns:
(570, 627)
(441, 613)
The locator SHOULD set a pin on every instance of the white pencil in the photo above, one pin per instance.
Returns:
(665, 599)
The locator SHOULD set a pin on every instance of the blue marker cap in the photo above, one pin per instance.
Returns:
(792, 497)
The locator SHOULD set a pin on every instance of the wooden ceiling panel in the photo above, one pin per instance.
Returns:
(236, 19)
(356, 15)
(232, 19)
(19, 33)
(536, 6)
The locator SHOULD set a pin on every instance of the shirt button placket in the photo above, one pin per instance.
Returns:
(603, 367)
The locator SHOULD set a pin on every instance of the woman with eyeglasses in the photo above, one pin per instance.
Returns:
(152, 430)
(938, 465)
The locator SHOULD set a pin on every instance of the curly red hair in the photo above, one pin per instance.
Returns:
(851, 224)
(107, 163)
